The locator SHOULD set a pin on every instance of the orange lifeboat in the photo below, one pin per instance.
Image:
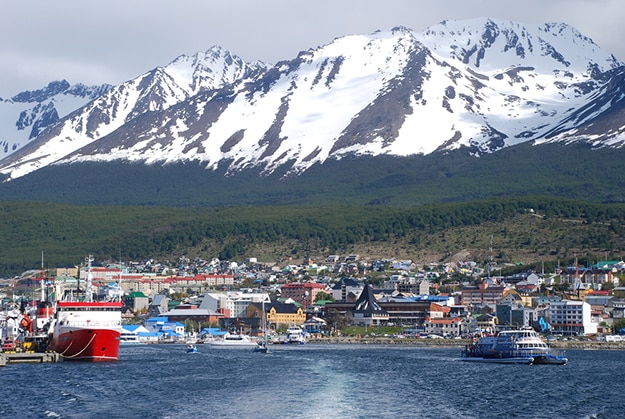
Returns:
(26, 324)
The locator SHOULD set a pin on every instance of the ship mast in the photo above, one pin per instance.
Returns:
(89, 286)
(43, 276)
(120, 293)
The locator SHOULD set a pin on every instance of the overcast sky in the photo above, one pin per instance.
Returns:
(112, 41)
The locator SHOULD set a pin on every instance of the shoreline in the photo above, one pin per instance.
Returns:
(350, 340)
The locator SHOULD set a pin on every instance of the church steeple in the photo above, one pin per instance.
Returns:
(367, 310)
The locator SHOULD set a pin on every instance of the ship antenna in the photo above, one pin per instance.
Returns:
(43, 277)
(119, 285)
(89, 286)
(120, 292)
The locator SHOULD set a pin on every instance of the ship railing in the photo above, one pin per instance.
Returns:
(90, 323)
(533, 353)
(515, 353)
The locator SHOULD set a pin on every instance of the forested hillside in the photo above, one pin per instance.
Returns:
(573, 171)
(522, 229)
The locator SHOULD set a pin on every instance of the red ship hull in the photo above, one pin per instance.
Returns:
(86, 344)
(87, 331)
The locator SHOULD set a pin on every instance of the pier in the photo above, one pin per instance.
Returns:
(29, 357)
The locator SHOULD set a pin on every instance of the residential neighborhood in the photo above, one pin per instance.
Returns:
(204, 298)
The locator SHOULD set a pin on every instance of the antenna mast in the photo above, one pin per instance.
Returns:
(43, 280)
(89, 286)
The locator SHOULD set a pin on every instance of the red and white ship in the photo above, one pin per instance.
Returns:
(87, 330)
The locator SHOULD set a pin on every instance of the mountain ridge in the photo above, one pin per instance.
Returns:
(152, 91)
(475, 87)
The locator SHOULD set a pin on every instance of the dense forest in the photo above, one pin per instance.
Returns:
(520, 229)
(569, 171)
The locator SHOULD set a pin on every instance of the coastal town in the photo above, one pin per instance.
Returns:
(341, 296)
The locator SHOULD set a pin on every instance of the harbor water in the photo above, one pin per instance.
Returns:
(314, 381)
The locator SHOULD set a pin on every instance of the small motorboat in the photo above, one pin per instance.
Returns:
(261, 348)
(191, 348)
(233, 340)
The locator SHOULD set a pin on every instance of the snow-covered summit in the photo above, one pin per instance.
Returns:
(481, 85)
(492, 45)
(24, 116)
(151, 92)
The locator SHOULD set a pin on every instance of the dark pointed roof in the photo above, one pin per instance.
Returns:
(366, 302)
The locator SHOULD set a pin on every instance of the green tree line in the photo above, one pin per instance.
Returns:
(66, 233)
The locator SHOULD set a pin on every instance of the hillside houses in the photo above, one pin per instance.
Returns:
(147, 283)
(445, 300)
(411, 298)
(593, 278)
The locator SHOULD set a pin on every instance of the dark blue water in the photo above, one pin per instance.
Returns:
(314, 381)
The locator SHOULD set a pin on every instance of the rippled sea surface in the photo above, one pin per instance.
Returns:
(314, 381)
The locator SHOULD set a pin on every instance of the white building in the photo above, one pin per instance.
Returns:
(445, 326)
(571, 318)
(234, 302)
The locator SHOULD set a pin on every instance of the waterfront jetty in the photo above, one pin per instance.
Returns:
(28, 357)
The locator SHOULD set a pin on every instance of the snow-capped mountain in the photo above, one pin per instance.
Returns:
(480, 84)
(151, 92)
(24, 116)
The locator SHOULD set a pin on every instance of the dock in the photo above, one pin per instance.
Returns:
(28, 357)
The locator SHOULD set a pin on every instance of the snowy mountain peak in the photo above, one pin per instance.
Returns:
(60, 87)
(479, 85)
(27, 114)
(211, 69)
(53, 88)
(490, 44)
(154, 91)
